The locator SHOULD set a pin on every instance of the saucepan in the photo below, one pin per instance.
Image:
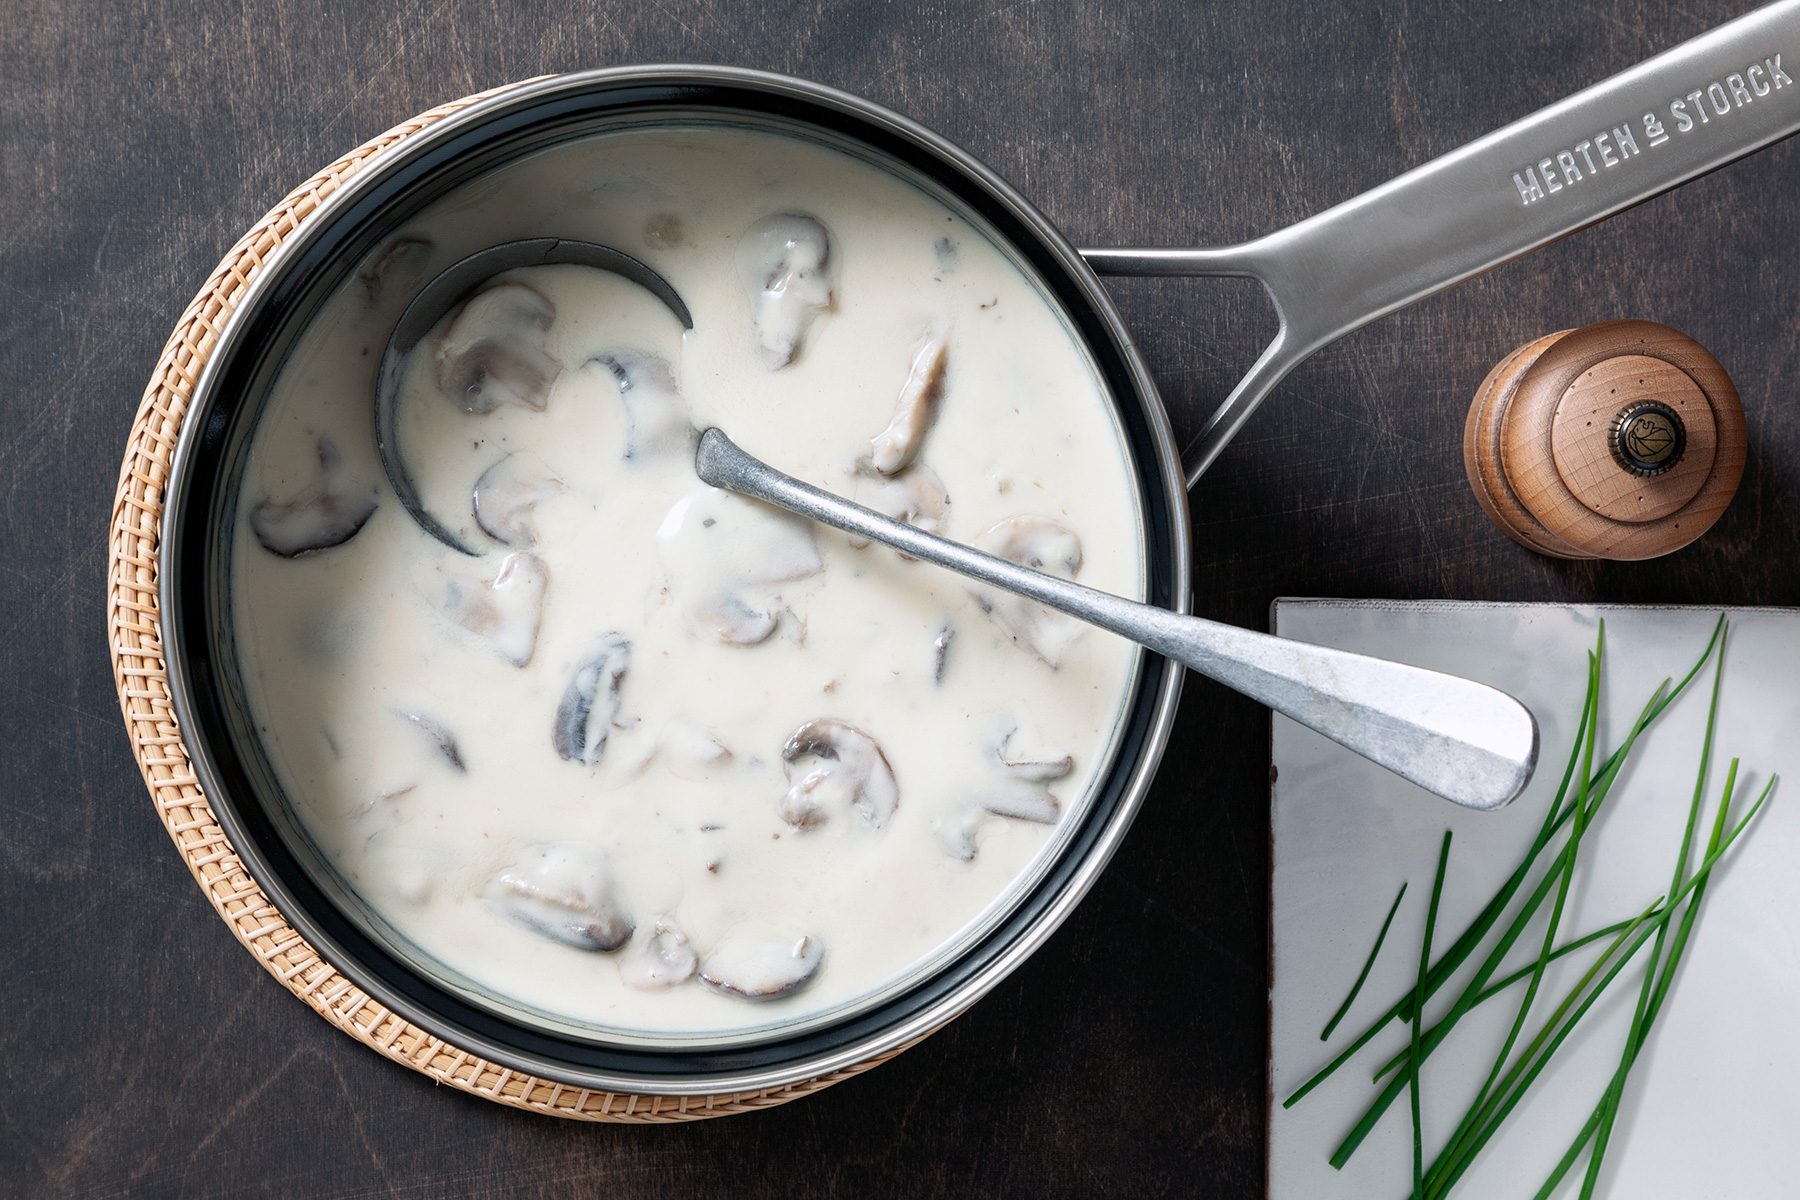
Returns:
(1686, 112)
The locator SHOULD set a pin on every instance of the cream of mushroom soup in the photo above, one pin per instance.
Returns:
(657, 759)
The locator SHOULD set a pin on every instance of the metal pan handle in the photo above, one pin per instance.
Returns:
(1679, 115)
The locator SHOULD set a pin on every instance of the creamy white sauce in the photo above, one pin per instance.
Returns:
(414, 733)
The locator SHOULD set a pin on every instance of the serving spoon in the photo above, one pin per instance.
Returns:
(451, 287)
(1465, 741)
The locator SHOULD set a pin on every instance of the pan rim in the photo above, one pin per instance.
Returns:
(1159, 689)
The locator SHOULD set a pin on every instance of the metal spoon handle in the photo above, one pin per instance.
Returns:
(1671, 118)
(1465, 741)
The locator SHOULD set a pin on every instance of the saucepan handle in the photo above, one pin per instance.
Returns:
(1681, 114)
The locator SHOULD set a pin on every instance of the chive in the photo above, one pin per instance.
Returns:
(1442, 1030)
(1444, 1173)
(1681, 936)
(1569, 1156)
(1524, 972)
(1640, 1031)
(1586, 939)
(1478, 1127)
(1436, 1035)
(1485, 920)
(1437, 892)
(1593, 1122)
(1610, 1104)
(1581, 812)
(1368, 965)
(1465, 943)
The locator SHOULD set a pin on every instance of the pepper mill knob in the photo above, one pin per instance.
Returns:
(1621, 440)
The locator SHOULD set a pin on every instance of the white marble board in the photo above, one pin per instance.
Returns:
(1714, 1104)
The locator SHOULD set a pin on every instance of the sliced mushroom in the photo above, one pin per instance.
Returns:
(1043, 545)
(1023, 800)
(590, 704)
(440, 736)
(894, 448)
(507, 494)
(503, 611)
(401, 258)
(850, 771)
(656, 414)
(956, 831)
(663, 960)
(940, 652)
(916, 496)
(565, 893)
(1021, 793)
(725, 557)
(328, 512)
(787, 258)
(1031, 770)
(493, 350)
(762, 964)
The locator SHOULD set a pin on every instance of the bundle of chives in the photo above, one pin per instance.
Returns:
(1510, 1078)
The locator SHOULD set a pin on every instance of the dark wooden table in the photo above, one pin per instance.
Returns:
(142, 1052)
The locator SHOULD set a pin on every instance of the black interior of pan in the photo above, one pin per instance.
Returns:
(196, 556)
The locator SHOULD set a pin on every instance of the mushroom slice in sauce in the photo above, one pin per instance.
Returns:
(590, 704)
(787, 258)
(493, 350)
(328, 512)
(762, 964)
(1043, 545)
(440, 736)
(894, 448)
(724, 555)
(1031, 770)
(1026, 792)
(503, 611)
(1022, 800)
(656, 415)
(850, 771)
(663, 960)
(916, 496)
(956, 831)
(1024, 795)
(565, 893)
(940, 652)
(507, 494)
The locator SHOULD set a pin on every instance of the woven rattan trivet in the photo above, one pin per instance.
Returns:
(138, 668)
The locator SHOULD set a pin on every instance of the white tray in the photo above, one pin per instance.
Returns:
(1713, 1107)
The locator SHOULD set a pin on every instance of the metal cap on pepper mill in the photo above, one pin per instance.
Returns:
(1621, 440)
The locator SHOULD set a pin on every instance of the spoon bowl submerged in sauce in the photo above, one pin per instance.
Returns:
(452, 287)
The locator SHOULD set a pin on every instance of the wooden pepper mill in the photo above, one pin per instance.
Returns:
(1622, 440)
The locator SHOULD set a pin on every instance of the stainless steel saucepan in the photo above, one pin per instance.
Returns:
(1676, 116)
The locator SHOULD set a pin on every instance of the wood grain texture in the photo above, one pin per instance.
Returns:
(1538, 446)
(138, 138)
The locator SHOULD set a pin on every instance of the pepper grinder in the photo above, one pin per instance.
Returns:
(1622, 440)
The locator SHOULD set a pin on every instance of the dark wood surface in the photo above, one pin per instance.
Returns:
(142, 1052)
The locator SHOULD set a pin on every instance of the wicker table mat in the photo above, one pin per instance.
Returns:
(135, 628)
